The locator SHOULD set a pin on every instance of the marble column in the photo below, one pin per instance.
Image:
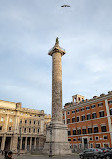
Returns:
(26, 144)
(30, 143)
(21, 143)
(35, 143)
(57, 133)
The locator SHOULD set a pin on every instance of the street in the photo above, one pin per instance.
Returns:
(73, 156)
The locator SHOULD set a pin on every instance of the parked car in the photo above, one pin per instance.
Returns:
(105, 150)
(109, 148)
(108, 155)
(92, 152)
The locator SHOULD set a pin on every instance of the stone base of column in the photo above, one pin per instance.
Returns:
(57, 140)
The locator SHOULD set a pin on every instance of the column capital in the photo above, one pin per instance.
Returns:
(56, 49)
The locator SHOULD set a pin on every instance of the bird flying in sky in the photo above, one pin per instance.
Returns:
(65, 6)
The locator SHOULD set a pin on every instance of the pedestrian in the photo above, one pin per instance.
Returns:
(2, 152)
(9, 156)
(5, 153)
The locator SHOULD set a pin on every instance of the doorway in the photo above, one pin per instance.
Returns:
(7, 143)
(85, 143)
(0, 142)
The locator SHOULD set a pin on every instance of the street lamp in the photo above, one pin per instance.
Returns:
(19, 141)
(50, 149)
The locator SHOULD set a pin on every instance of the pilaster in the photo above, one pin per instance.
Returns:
(21, 143)
(26, 144)
(30, 143)
(3, 142)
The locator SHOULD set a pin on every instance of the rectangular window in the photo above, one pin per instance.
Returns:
(68, 121)
(88, 116)
(34, 130)
(89, 130)
(101, 114)
(95, 129)
(94, 115)
(30, 122)
(24, 130)
(77, 118)
(105, 137)
(91, 145)
(91, 138)
(79, 139)
(69, 133)
(77, 110)
(0, 128)
(110, 111)
(82, 109)
(10, 128)
(78, 131)
(103, 128)
(73, 111)
(64, 121)
(74, 132)
(38, 130)
(84, 131)
(96, 138)
(73, 120)
(83, 117)
(100, 104)
(25, 121)
(29, 130)
(74, 139)
(69, 139)
(110, 102)
(93, 106)
(87, 108)
(97, 145)
(20, 121)
(68, 113)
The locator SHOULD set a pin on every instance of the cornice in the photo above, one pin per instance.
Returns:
(86, 103)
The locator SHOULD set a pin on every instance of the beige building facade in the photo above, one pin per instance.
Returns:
(21, 129)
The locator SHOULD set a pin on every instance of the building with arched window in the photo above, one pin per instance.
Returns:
(21, 129)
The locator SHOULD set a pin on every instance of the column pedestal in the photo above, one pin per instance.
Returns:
(57, 140)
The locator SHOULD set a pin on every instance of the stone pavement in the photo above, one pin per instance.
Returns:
(74, 156)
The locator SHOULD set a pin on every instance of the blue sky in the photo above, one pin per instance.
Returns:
(28, 29)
